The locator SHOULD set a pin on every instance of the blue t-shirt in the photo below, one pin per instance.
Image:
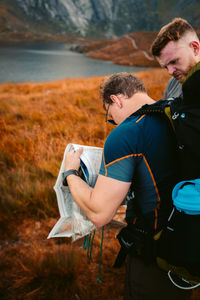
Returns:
(142, 150)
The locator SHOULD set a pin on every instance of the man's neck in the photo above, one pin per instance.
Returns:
(140, 99)
(136, 102)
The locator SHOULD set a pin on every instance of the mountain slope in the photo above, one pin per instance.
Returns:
(105, 18)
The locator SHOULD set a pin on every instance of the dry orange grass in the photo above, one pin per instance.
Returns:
(37, 121)
(35, 268)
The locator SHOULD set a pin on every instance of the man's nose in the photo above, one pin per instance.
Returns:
(171, 69)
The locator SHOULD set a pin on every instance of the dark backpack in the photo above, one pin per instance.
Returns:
(178, 248)
(185, 121)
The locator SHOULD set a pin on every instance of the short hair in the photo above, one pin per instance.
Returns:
(120, 83)
(173, 31)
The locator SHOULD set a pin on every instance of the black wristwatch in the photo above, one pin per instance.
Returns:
(67, 173)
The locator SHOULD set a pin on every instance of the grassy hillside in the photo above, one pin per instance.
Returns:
(37, 121)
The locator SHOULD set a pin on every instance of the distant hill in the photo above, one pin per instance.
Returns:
(132, 49)
(92, 18)
(120, 31)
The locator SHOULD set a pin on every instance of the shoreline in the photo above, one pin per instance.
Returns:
(44, 61)
(126, 51)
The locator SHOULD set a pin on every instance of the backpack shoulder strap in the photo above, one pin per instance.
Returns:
(157, 107)
(160, 107)
(167, 111)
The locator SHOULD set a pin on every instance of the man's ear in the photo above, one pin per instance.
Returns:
(196, 47)
(116, 99)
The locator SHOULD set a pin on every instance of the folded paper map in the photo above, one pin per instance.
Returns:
(73, 222)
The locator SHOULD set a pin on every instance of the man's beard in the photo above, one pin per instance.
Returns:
(179, 76)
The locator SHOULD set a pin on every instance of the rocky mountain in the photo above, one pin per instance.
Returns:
(94, 18)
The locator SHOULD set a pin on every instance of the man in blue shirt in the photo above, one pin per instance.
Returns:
(139, 156)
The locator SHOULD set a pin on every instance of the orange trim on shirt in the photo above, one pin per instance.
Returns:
(121, 158)
(104, 164)
(140, 118)
(154, 182)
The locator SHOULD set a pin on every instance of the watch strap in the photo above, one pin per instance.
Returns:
(67, 173)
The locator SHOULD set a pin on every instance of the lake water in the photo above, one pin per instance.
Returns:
(40, 61)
